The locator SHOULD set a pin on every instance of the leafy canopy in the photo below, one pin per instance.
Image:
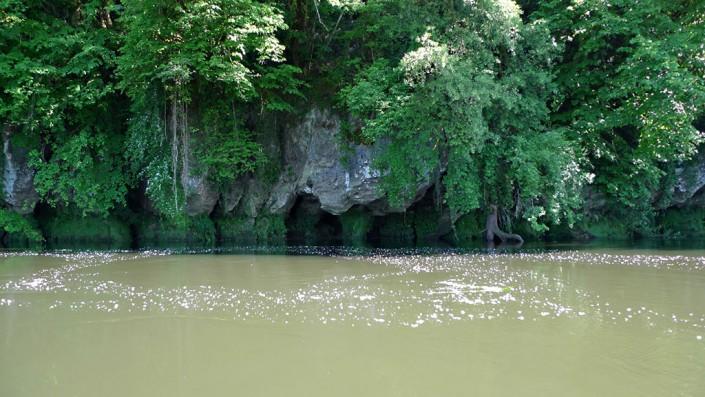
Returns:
(58, 98)
(632, 79)
(189, 68)
(468, 97)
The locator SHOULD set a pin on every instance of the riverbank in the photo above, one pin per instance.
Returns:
(413, 229)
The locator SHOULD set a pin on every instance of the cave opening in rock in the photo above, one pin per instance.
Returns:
(329, 229)
(393, 230)
(308, 224)
(424, 223)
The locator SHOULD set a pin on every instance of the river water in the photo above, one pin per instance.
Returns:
(330, 322)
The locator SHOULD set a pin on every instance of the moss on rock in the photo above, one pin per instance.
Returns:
(607, 228)
(244, 230)
(468, 228)
(302, 227)
(237, 229)
(70, 231)
(427, 224)
(270, 229)
(397, 229)
(677, 223)
(356, 224)
(196, 231)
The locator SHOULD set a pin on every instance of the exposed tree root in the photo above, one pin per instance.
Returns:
(492, 231)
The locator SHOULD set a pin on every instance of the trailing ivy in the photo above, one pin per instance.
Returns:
(190, 68)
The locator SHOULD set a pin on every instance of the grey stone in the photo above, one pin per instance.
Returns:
(200, 193)
(18, 177)
(201, 196)
(232, 194)
(318, 164)
(254, 198)
(690, 180)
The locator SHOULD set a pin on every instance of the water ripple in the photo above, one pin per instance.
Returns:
(408, 288)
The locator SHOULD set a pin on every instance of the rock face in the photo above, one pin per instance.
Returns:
(254, 198)
(690, 183)
(18, 178)
(201, 196)
(317, 164)
(230, 198)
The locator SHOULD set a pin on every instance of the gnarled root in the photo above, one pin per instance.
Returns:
(493, 232)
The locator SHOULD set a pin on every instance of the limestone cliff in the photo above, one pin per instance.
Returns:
(18, 178)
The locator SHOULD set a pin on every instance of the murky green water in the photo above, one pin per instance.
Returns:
(383, 323)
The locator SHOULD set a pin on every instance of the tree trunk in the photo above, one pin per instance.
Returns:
(493, 232)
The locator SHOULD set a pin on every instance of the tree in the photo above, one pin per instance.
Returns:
(473, 88)
(58, 97)
(632, 84)
(188, 66)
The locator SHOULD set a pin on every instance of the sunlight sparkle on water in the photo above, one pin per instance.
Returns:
(408, 289)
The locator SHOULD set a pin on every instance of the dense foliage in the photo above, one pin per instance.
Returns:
(202, 54)
(632, 83)
(59, 98)
(526, 106)
(472, 88)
